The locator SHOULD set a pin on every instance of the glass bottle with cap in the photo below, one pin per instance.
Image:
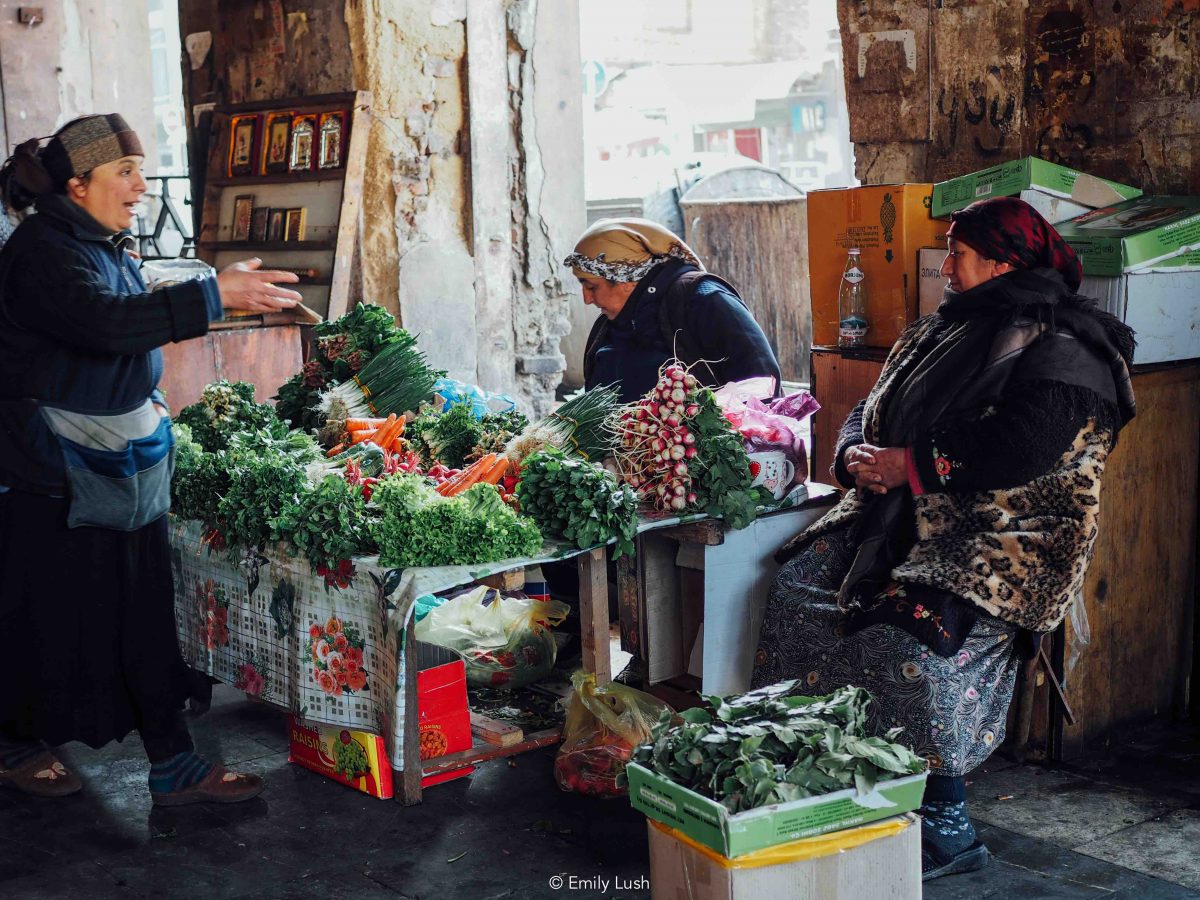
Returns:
(852, 303)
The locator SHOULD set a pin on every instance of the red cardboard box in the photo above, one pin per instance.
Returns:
(444, 723)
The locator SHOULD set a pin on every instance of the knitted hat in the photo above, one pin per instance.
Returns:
(90, 141)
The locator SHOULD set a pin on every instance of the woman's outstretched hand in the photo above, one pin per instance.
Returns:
(244, 285)
(876, 469)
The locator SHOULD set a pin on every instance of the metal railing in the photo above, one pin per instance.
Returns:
(162, 231)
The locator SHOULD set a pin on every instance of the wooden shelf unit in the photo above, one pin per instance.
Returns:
(333, 256)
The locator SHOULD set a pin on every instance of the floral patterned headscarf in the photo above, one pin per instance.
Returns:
(1011, 231)
(626, 249)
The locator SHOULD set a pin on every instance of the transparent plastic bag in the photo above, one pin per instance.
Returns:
(770, 425)
(482, 402)
(159, 273)
(603, 726)
(505, 640)
(1080, 635)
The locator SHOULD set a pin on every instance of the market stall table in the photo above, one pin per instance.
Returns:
(261, 620)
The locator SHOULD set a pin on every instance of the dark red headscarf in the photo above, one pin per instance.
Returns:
(1011, 231)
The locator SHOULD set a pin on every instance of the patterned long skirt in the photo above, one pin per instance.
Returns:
(953, 711)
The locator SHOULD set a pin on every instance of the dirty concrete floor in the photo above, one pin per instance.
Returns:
(1123, 824)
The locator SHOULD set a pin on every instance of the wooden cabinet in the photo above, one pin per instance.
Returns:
(1139, 595)
(840, 378)
(266, 357)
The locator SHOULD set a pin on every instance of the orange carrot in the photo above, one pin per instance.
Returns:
(382, 435)
(360, 424)
(336, 450)
(448, 488)
(496, 472)
(473, 475)
(357, 437)
(397, 444)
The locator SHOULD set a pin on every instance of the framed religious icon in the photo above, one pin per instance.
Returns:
(330, 134)
(243, 133)
(258, 223)
(293, 224)
(303, 137)
(276, 135)
(243, 211)
(275, 225)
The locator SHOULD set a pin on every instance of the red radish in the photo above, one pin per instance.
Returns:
(689, 453)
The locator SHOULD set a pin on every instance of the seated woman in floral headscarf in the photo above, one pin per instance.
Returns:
(657, 302)
(975, 467)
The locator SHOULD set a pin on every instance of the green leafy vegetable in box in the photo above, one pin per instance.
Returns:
(327, 522)
(774, 745)
(419, 527)
(224, 409)
(577, 499)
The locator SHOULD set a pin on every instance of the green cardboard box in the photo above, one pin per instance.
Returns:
(708, 822)
(1136, 234)
(1011, 178)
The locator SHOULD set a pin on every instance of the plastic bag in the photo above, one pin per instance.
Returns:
(603, 726)
(159, 273)
(504, 640)
(772, 424)
(482, 402)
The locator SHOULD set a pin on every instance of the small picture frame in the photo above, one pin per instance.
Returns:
(277, 135)
(275, 225)
(331, 136)
(258, 223)
(293, 224)
(243, 210)
(300, 158)
(243, 137)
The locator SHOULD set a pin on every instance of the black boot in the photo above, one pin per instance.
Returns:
(948, 842)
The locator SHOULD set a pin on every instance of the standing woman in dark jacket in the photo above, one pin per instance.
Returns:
(658, 303)
(85, 469)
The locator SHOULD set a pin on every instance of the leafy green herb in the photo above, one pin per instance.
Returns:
(327, 522)
(774, 745)
(266, 473)
(722, 468)
(224, 409)
(447, 437)
(579, 500)
(418, 527)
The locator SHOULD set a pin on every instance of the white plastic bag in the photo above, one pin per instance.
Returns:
(504, 640)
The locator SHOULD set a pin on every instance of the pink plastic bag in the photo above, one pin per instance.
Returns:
(769, 425)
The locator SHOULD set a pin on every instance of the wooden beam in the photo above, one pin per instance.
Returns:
(494, 732)
(483, 754)
(410, 778)
(593, 614)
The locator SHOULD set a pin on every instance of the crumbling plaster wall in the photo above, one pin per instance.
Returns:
(87, 56)
(937, 88)
(474, 190)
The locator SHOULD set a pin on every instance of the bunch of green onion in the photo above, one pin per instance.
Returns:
(396, 380)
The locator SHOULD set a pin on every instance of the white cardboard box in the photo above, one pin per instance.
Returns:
(887, 868)
(1162, 307)
(931, 284)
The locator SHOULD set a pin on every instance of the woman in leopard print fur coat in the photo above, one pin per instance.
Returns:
(974, 467)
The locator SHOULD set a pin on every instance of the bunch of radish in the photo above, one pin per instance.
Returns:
(656, 446)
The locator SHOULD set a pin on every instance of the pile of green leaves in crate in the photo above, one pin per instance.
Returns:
(774, 746)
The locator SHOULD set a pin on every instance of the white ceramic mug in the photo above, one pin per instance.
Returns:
(773, 470)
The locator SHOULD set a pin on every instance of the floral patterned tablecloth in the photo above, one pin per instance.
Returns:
(325, 647)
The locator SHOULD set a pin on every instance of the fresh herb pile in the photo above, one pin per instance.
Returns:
(341, 348)
(679, 452)
(223, 410)
(447, 437)
(265, 474)
(579, 500)
(419, 527)
(326, 522)
(775, 746)
(495, 431)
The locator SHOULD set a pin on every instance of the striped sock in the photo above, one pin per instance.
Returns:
(178, 773)
(14, 754)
